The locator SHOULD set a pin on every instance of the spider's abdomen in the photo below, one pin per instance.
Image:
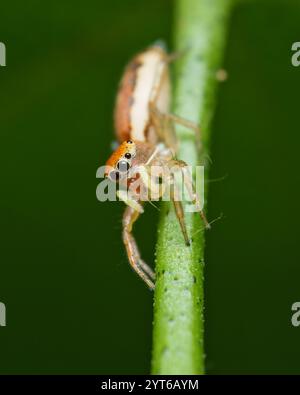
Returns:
(145, 78)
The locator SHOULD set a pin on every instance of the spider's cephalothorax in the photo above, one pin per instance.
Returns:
(144, 128)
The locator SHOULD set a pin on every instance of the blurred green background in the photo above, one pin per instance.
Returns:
(73, 303)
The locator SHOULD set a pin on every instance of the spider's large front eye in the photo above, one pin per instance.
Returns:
(123, 166)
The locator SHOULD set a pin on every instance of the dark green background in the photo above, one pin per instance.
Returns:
(73, 304)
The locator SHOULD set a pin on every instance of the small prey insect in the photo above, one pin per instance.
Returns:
(145, 130)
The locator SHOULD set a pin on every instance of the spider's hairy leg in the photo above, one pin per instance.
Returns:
(179, 212)
(189, 185)
(127, 199)
(138, 265)
(164, 123)
(163, 127)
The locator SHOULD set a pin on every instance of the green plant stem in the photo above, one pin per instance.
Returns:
(178, 347)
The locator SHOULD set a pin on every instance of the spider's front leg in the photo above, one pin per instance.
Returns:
(138, 265)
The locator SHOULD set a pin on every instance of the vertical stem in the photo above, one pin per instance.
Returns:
(199, 31)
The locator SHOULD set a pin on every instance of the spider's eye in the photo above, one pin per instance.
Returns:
(128, 155)
(129, 142)
(114, 175)
(123, 166)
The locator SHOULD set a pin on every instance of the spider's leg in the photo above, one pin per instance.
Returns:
(164, 123)
(189, 185)
(139, 266)
(179, 212)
